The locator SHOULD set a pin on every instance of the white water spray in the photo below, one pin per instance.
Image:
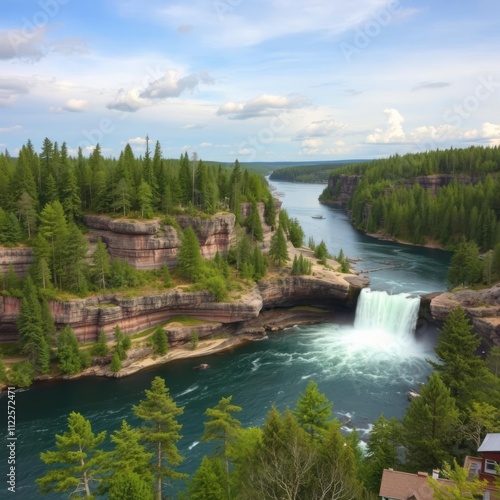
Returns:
(394, 314)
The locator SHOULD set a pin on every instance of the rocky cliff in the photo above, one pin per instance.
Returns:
(19, 257)
(151, 244)
(342, 186)
(482, 307)
(88, 316)
(148, 244)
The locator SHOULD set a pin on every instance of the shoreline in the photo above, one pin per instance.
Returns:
(141, 358)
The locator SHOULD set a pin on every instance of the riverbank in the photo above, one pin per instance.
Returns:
(385, 237)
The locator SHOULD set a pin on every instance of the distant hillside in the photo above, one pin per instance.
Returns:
(309, 172)
(437, 196)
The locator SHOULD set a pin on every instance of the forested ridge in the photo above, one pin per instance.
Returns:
(308, 173)
(389, 199)
(43, 197)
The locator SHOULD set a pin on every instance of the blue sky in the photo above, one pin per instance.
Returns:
(256, 80)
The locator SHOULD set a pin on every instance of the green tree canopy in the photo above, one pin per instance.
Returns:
(77, 457)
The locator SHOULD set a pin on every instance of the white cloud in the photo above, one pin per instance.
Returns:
(129, 101)
(320, 128)
(76, 105)
(394, 130)
(491, 131)
(171, 85)
(10, 90)
(264, 105)
(26, 45)
(12, 128)
(206, 145)
(137, 140)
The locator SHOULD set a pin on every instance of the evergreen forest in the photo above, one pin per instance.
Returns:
(404, 197)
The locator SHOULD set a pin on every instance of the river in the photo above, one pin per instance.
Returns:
(365, 371)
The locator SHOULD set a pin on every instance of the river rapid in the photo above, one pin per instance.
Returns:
(365, 369)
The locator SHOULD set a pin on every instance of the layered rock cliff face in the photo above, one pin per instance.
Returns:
(482, 307)
(88, 316)
(151, 244)
(19, 257)
(342, 186)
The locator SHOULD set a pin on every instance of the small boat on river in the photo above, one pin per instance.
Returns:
(318, 216)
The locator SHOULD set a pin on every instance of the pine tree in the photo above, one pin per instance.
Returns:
(270, 211)
(101, 263)
(222, 428)
(160, 431)
(254, 224)
(429, 426)
(278, 250)
(68, 352)
(313, 411)
(189, 261)
(29, 322)
(100, 348)
(465, 267)
(27, 213)
(116, 364)
(76, 453)
(460, 368)
(160, 341)
(145, 197)
(208, 481)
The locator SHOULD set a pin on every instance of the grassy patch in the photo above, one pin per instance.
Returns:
(188, 321)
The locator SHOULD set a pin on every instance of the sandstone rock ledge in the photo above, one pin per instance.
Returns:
(88, 316)
(482, 307)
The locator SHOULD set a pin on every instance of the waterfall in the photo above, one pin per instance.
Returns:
(395, 314)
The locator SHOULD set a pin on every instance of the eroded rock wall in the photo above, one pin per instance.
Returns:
(481, 306)
(88, 316)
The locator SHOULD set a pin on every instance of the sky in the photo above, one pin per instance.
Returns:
(260, 81)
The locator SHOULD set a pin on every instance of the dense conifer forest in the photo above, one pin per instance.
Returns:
(308, 173)
(390, 199)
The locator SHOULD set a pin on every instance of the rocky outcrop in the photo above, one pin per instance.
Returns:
(152, 244)
(341, 186)
(482, 307)
(19, 257)
(88, 316)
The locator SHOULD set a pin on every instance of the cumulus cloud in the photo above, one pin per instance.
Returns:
(264, 105)
(491, 132)
(128, 101)
(137, 140)
(393, 132)
(76, 105)
(320, 128)
(11, 90)
(26, 45)
(171, 85)
(168, 86)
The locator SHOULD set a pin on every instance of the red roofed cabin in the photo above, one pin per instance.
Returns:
(405, 486)
(489, 451)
